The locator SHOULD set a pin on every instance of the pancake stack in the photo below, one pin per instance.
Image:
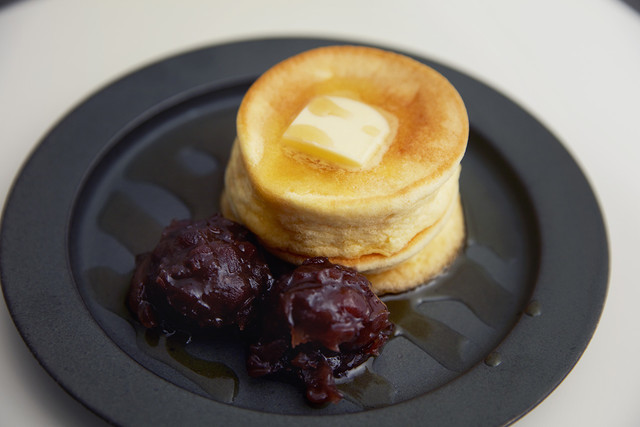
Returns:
(389, 207)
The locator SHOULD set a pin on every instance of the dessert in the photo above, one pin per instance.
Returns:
(320, 321)
(352, 153)
(346, 164)
(205, 274)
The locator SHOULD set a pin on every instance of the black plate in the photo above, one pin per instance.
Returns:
(485, 342)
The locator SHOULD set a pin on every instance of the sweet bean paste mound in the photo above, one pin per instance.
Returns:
(321, 320)
(316, 322)
(202, 274)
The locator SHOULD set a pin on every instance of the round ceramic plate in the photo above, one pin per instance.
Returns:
(487, 340)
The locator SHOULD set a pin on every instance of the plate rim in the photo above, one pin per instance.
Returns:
(223, 72)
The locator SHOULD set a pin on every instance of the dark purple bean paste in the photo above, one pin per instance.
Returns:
(315, 323)
(204, 274)
(320, 321)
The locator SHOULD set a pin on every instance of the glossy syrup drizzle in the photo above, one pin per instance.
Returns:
(366, 388)
(214, 378)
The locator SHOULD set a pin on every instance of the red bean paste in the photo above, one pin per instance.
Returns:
(315, 323)
(320, 321)
(203, 274)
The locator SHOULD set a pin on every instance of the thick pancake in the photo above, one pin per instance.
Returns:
(370, 262)
(438, 253)
(371, 218)
(430, 140)
(426, 264)
(304, 233)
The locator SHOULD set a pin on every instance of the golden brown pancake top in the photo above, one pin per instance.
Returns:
(428, 116)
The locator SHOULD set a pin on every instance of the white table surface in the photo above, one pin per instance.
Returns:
(573, 64)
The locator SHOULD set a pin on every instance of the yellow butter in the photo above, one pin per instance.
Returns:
(339, 130)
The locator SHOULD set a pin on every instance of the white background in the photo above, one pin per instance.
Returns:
(573, 64)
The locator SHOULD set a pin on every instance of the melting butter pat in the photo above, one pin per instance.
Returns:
(338, 130)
